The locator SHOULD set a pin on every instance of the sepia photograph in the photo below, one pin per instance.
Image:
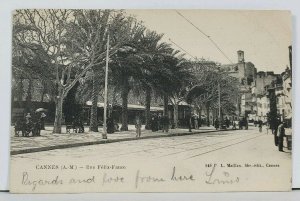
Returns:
(151, 101)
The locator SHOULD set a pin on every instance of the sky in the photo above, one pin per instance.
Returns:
(264, 36)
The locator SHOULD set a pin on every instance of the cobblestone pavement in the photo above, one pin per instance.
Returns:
(48, 139)
(230, 144)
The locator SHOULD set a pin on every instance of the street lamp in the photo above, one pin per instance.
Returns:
(104, 134)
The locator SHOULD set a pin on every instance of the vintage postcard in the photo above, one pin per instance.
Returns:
(151, 101)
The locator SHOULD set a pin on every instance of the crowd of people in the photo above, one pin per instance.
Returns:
(160, 122)
(226, 123)
(163, 123)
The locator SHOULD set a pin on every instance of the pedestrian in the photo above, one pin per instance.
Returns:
(200, 122)
(233, 125)
(138, 126)
(159, 122)
(246, 123)
(42, 120)
(226, 122)
(280, 135)
(165, 123)
(80, 124)
(260, 125)
(189, 122)
(275, 131)
(240, 125)
(153, 123)
(110, 125)
(217, 124)
(196, 122)
(28, 124)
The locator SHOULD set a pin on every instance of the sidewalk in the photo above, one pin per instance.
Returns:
(48, 141)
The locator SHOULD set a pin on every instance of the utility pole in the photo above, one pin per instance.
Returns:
(104, 134)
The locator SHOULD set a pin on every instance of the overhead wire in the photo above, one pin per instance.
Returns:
(196, 59)
(207, 36)
(182, 49)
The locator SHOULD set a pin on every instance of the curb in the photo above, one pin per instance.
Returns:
(64, 146)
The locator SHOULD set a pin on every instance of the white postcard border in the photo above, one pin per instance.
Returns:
(5, 53)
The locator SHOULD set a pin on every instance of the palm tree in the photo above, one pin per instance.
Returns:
(125, 71)
(173, 79)
(150, 48)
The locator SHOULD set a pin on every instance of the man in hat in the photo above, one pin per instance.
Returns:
(138, 126)
(42, 120)
(280, 135)
(196, 125)
(28, 124)
(217, 124)
(260, 124)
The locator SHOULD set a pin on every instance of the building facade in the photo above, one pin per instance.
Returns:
(246, 74)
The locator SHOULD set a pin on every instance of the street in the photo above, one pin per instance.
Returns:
(233, 144)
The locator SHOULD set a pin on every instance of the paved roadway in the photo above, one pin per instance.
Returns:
(223, 144)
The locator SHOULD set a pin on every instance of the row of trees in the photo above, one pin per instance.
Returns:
(65, 50)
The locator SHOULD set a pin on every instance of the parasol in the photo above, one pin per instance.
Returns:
(41, 110)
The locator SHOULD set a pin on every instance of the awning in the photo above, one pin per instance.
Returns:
(98, 104)
(180, 103)
(130, 106)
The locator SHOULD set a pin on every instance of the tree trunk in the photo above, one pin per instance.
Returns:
(221, 117)
(166, 101)
(207, 114)
(200, 115)
(200, 111)
(58, 111)
(29, 96)
(94, 108)
(124, 94)
(175, 114)
(20, 90)
(43, 94)
(147, 112)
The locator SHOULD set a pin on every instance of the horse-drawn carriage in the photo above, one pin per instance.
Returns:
(27, 128)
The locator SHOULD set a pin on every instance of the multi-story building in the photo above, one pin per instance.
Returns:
(263, 79)
(263, 107)
(287, 98)
(279, 100)
(260, 101)
(258, 88)
(246, 73)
